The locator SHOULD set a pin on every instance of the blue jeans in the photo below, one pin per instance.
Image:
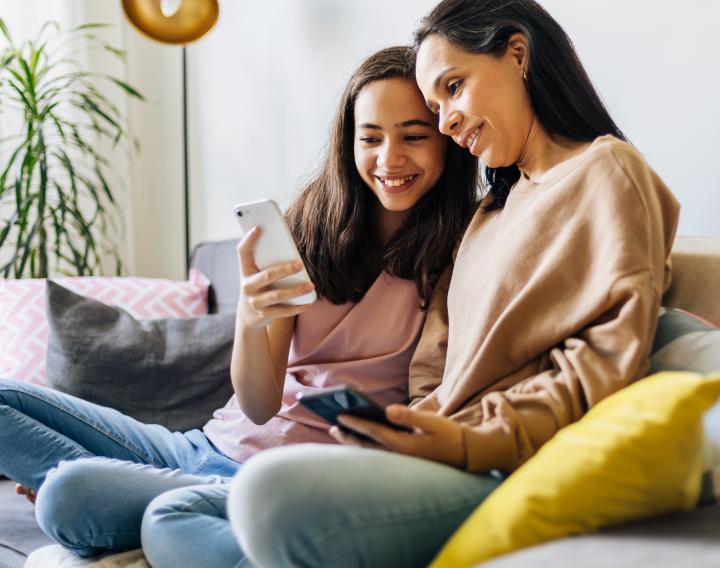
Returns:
(73, 451)
(316, 505)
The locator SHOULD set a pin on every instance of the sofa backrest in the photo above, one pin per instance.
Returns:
(695, 286)
(218, 260)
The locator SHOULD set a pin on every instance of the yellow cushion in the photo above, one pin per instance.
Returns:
(634, 455)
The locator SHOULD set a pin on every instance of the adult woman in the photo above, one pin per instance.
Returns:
(375, 228)
(552, 306)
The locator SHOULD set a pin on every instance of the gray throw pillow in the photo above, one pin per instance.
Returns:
(173, 372)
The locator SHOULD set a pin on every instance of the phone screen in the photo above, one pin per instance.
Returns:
(331, 402)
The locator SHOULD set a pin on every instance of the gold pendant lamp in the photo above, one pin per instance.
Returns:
(172, 21)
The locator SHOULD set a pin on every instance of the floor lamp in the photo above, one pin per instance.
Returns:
(176, 22)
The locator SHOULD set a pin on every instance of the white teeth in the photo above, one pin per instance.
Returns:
(472, 138)
(396, 182)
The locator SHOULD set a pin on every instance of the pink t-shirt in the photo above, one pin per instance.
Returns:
(367, 345)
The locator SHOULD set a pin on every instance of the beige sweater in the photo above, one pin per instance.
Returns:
(552, 305)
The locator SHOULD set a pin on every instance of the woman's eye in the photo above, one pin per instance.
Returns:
(454, 87)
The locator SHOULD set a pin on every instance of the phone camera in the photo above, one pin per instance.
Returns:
(239, 213)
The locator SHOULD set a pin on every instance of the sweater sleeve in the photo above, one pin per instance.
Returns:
(602, 358)
(428, 361)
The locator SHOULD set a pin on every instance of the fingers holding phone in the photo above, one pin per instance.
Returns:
(261, 301)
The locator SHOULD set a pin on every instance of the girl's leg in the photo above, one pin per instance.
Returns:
(93, 505)
(313, 505)
(176, 522)
(40, 427)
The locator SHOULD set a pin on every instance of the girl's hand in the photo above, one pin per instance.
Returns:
(435, 437)
(259, 305)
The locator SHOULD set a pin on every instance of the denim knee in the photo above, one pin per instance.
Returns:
(64, 503)
(268, 497)
(159, 534)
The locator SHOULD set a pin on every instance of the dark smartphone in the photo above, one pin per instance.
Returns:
(329, 403)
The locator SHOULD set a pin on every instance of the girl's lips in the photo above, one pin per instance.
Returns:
(404, 186)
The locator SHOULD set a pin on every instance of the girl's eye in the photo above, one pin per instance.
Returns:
(454, 87)
(369, 139)
(415, 137)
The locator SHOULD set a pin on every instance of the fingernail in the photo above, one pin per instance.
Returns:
(297, 265)
(393, 412)
(309, 287)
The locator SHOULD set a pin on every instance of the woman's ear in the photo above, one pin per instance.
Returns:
(518, 49)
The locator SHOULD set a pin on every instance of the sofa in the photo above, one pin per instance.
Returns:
(668, 541)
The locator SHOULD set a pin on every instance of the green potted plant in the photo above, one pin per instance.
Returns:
(58, 209)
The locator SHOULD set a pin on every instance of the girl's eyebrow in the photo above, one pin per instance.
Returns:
(413, 122)
(404, 124)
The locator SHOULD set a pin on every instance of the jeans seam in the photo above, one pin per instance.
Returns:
(18, 415)
(128, 446)
(73, 545)
(189, 506)
(201, 464)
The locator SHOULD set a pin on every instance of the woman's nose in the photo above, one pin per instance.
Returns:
(449, 122)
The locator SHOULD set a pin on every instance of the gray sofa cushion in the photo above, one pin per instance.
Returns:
(173, 372)
(682, 539)
(20, 534)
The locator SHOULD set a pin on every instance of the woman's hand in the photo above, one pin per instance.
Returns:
(434, 437)
(259, 305)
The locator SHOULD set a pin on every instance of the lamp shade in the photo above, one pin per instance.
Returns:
(172, 21)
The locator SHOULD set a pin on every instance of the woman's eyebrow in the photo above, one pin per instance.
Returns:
(438, 79)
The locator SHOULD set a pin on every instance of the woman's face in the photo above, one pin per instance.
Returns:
(398, 150)
(481, 99)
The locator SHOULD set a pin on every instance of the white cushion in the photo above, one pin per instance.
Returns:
(55, 556)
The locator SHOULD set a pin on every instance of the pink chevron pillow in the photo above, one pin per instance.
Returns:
(24, 328)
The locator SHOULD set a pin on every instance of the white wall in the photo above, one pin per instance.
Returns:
(656, 63)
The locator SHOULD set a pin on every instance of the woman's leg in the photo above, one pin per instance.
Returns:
(311, 505)
(189, 527)
(40, 427)
(93, 505)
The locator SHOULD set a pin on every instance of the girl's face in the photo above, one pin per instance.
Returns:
(481, 99)
(398, 150)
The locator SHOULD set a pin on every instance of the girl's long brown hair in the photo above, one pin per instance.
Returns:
(333, 222)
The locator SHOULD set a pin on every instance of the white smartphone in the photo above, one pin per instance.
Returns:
(275, 244)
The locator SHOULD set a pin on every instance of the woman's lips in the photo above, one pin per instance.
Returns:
(473, 138)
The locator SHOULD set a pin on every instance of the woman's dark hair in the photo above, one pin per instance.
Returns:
(333, 220)
(561, 94)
